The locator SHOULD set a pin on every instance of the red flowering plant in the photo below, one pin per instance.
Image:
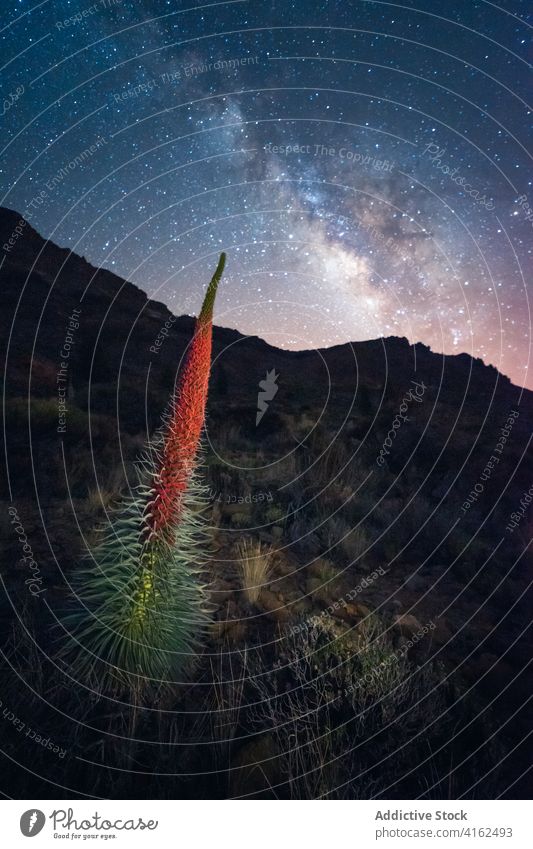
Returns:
(141, 601)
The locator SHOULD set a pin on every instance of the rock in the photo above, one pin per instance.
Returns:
(301, 607)
(407, 624)
(274, 605)
(363, 610)
(283, 567)
(320, 591)
(351, 612)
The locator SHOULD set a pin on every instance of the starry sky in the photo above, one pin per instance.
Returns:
(364, 164)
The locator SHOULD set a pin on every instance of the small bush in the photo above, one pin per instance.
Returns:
(274, 515)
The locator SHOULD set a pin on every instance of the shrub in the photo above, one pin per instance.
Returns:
(274, 515)
(352, 717)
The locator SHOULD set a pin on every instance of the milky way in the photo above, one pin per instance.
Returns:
(364, 164)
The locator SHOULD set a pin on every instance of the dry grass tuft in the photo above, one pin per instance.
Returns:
(255, 565)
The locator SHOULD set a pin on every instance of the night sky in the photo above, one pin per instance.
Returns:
(364, 164)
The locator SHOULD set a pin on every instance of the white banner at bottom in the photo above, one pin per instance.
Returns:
(245, 824)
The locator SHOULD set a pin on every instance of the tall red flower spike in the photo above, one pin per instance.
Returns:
(144, 606)
(184, 425)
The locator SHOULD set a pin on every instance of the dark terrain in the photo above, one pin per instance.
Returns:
(445, 718)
